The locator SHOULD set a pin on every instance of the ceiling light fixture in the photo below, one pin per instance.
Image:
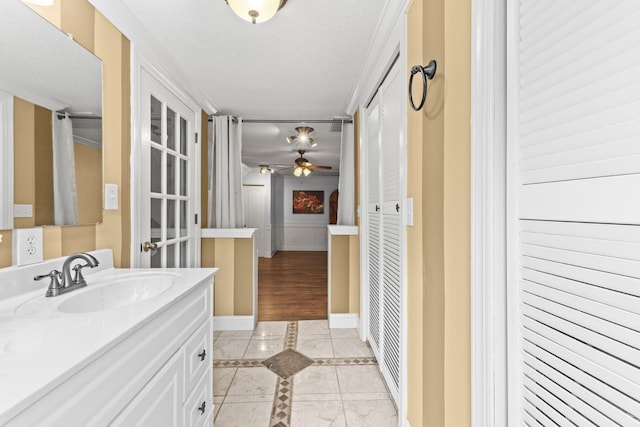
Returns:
(265, 168)
(256, 11)
(303, 135)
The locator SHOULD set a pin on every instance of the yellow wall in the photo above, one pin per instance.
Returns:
(438, 275)
(233, 293)
(88, 183)
(339, 274)
(100, 37)
(33, 162)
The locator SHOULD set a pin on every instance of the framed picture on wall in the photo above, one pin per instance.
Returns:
(308, 202)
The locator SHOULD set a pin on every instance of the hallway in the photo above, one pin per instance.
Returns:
(296, 374)
(293, 286)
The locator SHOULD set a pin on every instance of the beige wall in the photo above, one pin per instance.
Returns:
(88, 160)
(438, 275)
(100, 37)
(233, 293)
(339, 274)
(33, 162)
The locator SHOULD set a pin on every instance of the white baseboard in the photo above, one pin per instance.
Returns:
(234, 323)
(343, 321)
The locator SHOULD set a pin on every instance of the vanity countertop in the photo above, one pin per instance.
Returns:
(41, 348)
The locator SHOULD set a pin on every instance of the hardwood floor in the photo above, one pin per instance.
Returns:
(292, 286)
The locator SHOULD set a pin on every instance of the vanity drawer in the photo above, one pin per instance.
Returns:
(199, 405)
(198, 351)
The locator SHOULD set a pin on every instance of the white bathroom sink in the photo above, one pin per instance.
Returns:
(116, 294)
(105, 293)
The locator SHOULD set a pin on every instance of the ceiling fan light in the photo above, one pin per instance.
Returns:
(312, 143)
(271, 170)
(290, 139)
(255, 11)
(263, 170)
(297, 171)
(306, 171)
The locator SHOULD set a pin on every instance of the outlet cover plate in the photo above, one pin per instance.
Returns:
(27, 246)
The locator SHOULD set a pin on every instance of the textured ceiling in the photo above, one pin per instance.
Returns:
(302, 64)
(42, 65)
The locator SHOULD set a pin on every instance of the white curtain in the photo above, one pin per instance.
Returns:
(225, 173)
(346, 183)
(65, 201)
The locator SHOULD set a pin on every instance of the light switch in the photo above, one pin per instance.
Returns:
(408, 205)
(111, 196)
(22, 211)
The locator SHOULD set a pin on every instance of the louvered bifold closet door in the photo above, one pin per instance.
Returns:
(373, 224)
(574, 93)
(390, 136)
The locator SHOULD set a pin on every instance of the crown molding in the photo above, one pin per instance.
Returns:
(118, 14)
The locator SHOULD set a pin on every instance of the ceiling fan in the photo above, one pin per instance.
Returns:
(303, 136)
(303, 166)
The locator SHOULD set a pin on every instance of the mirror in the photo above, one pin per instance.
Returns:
(44, 74)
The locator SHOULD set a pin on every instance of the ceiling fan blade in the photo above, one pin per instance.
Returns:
(319, 167)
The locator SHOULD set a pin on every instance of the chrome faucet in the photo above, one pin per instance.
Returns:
(62, 282)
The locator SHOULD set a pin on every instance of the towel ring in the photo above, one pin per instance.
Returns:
(427, 73)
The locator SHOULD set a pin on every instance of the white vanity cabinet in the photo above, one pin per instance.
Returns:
(159, 374)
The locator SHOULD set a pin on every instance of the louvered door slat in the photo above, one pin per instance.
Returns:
(552, 408)
(374, 280)
(602, 398)
(384, 135)
(574, 409)
(536, 283)
(596, 285)
(391, 286)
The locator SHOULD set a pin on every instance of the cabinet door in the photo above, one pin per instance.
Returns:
(159, 403)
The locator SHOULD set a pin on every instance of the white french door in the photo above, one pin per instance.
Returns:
(573, 234)
(165, 176)
(385, 253)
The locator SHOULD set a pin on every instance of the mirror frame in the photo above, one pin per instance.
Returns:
(6, 161)
(28, 88)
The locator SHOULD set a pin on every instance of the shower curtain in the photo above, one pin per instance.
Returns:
(65, 203)
(225, 173)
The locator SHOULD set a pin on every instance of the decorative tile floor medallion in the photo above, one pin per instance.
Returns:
(286, 365)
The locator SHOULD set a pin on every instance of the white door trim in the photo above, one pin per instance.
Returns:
(140, 61)
(489, 397)
(6, 161)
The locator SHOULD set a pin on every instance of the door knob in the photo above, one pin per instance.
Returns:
(148, 246)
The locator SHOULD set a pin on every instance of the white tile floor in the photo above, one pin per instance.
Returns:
(334, 391)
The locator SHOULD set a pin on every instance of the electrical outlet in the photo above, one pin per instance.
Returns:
(27, 246)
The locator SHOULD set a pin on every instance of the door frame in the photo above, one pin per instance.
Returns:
(491, 401)
(139, 62)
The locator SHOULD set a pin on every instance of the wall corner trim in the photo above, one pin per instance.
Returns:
(343, 320)
(234, 323)
(228, 233)
(343, 230)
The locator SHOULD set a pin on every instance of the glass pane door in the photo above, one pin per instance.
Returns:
(167, 207)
